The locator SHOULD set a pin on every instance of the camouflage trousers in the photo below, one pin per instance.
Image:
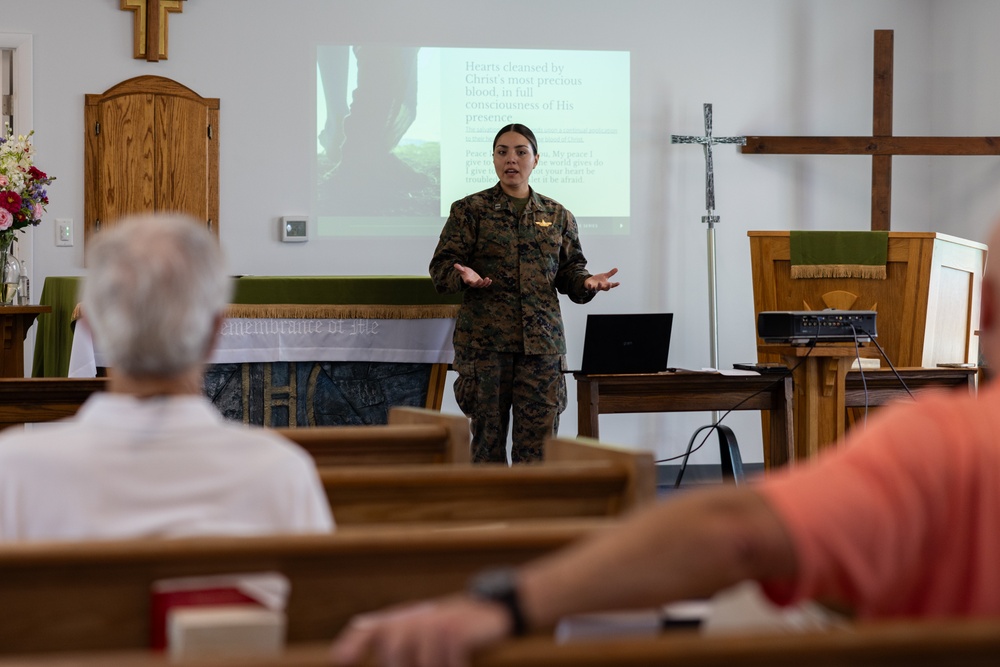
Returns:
(493, 385)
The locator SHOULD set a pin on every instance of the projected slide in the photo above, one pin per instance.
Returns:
(402, 132)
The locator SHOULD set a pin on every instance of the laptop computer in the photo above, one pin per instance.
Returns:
(626, 343)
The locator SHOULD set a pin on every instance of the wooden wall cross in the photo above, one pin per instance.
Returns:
(149, 39)
(882, 145)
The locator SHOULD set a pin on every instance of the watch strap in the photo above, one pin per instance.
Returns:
(500, 586)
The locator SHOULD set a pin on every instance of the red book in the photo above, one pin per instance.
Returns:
(262, 589)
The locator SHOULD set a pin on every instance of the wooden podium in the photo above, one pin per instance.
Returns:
(928, 305)
(820, 378)
(928, 314)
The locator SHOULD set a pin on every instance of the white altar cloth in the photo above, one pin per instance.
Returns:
(252, 340)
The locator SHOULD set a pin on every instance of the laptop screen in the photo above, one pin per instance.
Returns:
(626, 343)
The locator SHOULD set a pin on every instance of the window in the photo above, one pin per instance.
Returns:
(15, 82)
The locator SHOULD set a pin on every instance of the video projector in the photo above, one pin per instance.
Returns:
(802, 327)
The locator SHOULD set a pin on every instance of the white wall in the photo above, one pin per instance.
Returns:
(768, 66)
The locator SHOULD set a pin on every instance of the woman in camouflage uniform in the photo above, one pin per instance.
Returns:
(511, 250)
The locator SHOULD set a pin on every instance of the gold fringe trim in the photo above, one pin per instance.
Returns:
(292, 311)
(275, 311)
(865, 271)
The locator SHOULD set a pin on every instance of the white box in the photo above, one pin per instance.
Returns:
(224, 631)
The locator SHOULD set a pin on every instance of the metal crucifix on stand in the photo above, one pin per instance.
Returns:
(707, 142)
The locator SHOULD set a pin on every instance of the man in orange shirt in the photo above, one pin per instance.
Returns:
(899, 521)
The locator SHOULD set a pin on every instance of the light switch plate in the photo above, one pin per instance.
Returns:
(294, 229)
(64, 231)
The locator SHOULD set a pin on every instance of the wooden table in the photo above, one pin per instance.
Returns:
(687, 391)
(879, 386)
(14, 324)
(695, 392)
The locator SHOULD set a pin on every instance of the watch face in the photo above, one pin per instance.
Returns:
(496, 585)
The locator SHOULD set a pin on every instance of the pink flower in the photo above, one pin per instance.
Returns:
(36, 211)
(6, 219)
(4, 181)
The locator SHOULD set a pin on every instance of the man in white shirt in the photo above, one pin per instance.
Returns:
(152, 457)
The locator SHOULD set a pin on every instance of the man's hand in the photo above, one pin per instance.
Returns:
(440, 633)
(601, 282)
(471, 278)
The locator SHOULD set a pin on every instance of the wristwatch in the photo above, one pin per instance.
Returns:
(500, 585)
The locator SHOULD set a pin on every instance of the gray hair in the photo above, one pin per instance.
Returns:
(154, 287)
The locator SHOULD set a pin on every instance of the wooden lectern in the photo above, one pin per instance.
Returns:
(928, 305)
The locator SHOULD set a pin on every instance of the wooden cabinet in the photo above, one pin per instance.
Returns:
(151, 145)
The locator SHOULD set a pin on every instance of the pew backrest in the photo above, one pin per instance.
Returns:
(75, 596)
(641, 465)
(412, 435)
(32, 400)
(482, 492)
(917, 643)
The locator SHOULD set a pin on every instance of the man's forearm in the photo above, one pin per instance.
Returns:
(686, 548)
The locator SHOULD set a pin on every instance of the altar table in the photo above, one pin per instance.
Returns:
(384, 297)
(256, 340)
(689, 391)
(301, 351)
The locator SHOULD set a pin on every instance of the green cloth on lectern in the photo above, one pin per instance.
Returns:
(839, 254)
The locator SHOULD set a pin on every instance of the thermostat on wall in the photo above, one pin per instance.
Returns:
(294, 229)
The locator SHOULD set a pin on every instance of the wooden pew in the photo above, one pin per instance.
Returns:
(32, 400)
(929, 643)
(937, 643)
(413, 435)
(578, 478)
(96, 595)
(488, 492)
(641, 465)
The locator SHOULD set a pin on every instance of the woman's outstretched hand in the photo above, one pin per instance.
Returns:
(473, 279)
(601, 282)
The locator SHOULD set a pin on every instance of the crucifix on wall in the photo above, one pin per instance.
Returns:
(150, 29)
(882, 145)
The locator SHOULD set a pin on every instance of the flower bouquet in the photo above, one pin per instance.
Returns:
(23, 199)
